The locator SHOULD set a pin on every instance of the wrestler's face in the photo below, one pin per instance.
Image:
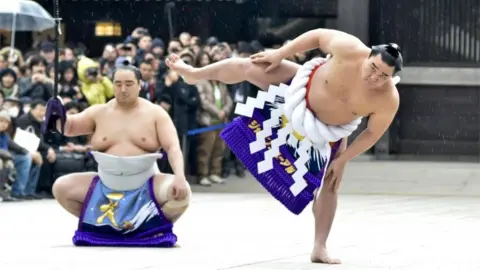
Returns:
(126, 86)
(376, 72)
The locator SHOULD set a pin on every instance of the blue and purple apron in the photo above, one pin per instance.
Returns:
(282, 144)
(123, 218)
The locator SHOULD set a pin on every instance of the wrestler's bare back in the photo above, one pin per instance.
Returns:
(338, 95)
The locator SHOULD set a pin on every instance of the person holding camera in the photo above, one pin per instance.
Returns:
(96, 88)
(38, 85)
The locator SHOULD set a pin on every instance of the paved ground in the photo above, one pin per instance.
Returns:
(241, 232)
(364, 177)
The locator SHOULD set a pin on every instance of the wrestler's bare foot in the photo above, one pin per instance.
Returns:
(320, 255)
(186, 71)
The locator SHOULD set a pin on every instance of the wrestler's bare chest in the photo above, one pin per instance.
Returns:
(125, 134)
(336, 94)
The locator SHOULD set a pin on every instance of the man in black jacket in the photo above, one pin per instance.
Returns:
(32, 122)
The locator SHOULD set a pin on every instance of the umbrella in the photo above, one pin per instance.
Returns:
(23, 15)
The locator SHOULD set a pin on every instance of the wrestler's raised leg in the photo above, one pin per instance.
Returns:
(234, 70)
(324, 209)
(171, 208)
(70, 191)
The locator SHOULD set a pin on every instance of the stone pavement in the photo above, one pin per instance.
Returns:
(362, 176)
(252, 231)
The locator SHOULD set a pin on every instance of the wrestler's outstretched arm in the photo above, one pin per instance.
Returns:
(330, 41)
(80, 124)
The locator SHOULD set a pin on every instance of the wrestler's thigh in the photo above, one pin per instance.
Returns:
(73, 186)
(162, 187)
(255, 73)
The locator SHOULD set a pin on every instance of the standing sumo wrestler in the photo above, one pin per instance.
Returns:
(293, 138)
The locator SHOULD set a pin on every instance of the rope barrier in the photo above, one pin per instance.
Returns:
(205, 129)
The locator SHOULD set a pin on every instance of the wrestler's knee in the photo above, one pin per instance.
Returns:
(72, 186)
(62, 187)
(172, 208)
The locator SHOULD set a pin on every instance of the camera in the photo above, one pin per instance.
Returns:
(143, 32)
(125, 48)
(93, 71)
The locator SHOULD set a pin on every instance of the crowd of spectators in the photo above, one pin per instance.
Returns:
(26, 84)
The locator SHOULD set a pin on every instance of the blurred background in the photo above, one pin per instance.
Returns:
(438, 118)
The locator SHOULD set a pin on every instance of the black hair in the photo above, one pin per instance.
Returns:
(125, 65)
(73, 105)
(391, 55)
(37, 102)
(175, 40)
(37, 60)
(200, 56)
(146, 62)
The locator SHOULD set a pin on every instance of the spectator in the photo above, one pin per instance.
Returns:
(136, 35)
(158, 48)
(144, 46)
(147, 85)
(181, 101)
(69, 55)
(26, 164)
(174, 46)
(127, 50)
(96, 88)
(3, 62)
(185, 39)
(38, 85)
(107, 62)
(8, 83)
(72, 155)
(14, 60)
(196, 45)
(32, 122)
(2, 99)
(13, 106)
(6, 164)
(216, 104)
(68, 87)
(47, 51)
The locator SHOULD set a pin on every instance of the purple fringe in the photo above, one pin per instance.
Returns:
(150, 238)
(89, 239)
(277, 181)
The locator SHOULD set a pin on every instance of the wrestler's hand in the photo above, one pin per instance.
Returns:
(179, 188)
(335, 173)
(272, 58)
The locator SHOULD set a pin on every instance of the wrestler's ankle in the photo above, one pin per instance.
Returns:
(320, 245)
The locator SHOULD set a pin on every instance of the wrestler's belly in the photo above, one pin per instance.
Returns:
(333, 116)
